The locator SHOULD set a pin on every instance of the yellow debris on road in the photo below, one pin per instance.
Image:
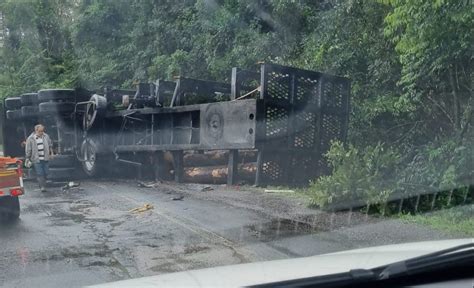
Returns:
(141, 209)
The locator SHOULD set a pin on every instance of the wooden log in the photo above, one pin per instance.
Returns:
(218, 174)
(217, 158)
(205, 159)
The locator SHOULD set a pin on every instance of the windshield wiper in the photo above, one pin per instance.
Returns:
(458, 256)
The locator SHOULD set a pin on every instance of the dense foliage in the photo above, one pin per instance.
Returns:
(410, 63)
(365, 175)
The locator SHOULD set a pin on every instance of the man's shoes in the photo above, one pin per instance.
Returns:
(42, 184)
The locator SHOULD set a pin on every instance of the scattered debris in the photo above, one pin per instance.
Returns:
(278, 191)
(148, 185)
(143, 208)
(207, 188)
(70, 185)
(178, 198)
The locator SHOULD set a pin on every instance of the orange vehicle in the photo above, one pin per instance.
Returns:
(11, 186)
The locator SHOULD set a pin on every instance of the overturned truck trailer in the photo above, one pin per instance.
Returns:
(286, 116)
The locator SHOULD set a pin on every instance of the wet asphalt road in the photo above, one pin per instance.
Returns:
(88, 236)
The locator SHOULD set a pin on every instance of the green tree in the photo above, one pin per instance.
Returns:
(434, 42)
(37, 50)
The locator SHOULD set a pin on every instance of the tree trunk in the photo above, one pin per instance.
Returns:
(456, 108)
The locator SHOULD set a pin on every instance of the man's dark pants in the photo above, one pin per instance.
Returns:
(42, 169)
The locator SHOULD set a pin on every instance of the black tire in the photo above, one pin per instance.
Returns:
(56, 95)
(56, 107)
(61, 173)
(29, 111)
(13, 103)
(14, 114)
(9, 207)
(101, 167)
(96, 162)
(61, 161)
(94, 111)
(89, 151)
(29, 99)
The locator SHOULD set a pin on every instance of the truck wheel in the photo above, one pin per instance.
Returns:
(61, 173)
(13, 103)
(94, 163)
(10, 207)
(89, 154)
(59, 161)
(29, 111)
(56, 95)
(29, 99)
(56, 107)
(14, 114)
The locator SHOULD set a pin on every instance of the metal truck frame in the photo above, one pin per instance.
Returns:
(288, 115)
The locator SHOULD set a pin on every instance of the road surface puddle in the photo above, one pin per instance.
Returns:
(280, 228)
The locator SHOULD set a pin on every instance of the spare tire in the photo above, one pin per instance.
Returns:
(13, 103)
(29, 111)
(56, 107)
(29, 99)
(62, 161)
(56, 95)
(95, 110)
(14, 114)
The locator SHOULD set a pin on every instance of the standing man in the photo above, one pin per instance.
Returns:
(39, 150)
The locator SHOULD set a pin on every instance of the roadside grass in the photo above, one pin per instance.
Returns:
(458, 220)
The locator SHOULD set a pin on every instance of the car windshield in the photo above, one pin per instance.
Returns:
(148, 137)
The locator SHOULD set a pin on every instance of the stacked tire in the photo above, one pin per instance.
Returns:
(13, 107)
(29, 107)
(46, 102)
(23, 107)
(62, 167)
(59, 103)
(56, 101)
